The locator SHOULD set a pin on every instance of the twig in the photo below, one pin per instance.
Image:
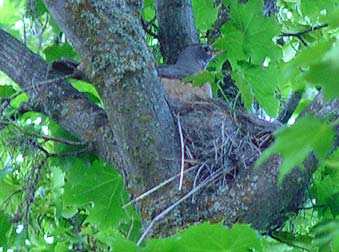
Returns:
(7, 101)
(60, 140)
(299, 34)
(182, 154)
(31, 189)
(71, 153)
(171, 207)
(143, 195)
(130, 229)
(197, 177)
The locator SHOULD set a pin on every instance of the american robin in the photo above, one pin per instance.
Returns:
(191, 60)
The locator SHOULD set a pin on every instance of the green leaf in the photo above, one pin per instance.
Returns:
(116, 241)
(6, 91)
(308, 134)
(314, 8)
(325, 232)
(325, 189)
(39, 8)
(332, 19)
(56, 51)
(8, 187)
(205, 14)
(258, 31)
(207, 237)
(335, 243)
(88, 89)
(300, 241)
(5, 171)
(200, 78)
(148, 12)
(259, 83)
(247, 96)
(10, 14)
(318, 65)
(100, 185)
(62, 247)
(4, 229)
(232, 42)
(16, 102)
(326, 73)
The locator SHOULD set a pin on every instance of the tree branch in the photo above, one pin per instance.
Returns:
(118, 62)
(54, 97)
(301, 33)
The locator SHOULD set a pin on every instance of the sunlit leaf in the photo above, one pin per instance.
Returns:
(232, 42)
(100, 185)
(258, 31)
(315, 9)
(55, 52)
(308, 134)
(259, 83)
(205, 14)
(207, 237)
(148, 12)
(6, 91)
(319, 65)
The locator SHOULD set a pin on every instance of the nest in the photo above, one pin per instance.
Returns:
(218, 139)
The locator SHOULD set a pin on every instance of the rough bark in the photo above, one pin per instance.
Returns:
(251, 196)
(111, 42)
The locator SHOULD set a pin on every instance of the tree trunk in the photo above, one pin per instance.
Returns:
(122, 68)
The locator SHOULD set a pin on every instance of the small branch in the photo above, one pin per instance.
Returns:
(140, 197)
(71, 153)
(60, 140)
(7, 101)
(65, 154)
(182, 154)
(300, 34)
(31, 189)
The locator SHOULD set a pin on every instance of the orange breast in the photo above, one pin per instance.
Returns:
(178, 90)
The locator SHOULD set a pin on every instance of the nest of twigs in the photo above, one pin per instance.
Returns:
(220, 139)
(220, 146)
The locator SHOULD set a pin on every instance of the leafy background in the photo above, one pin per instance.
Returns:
(78, 201)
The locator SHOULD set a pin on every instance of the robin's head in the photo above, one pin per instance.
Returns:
(196, 55)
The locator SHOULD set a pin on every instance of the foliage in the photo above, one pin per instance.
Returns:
(78, 200)
(308, 134)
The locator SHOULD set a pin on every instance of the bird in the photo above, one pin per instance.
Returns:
(191, 60)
